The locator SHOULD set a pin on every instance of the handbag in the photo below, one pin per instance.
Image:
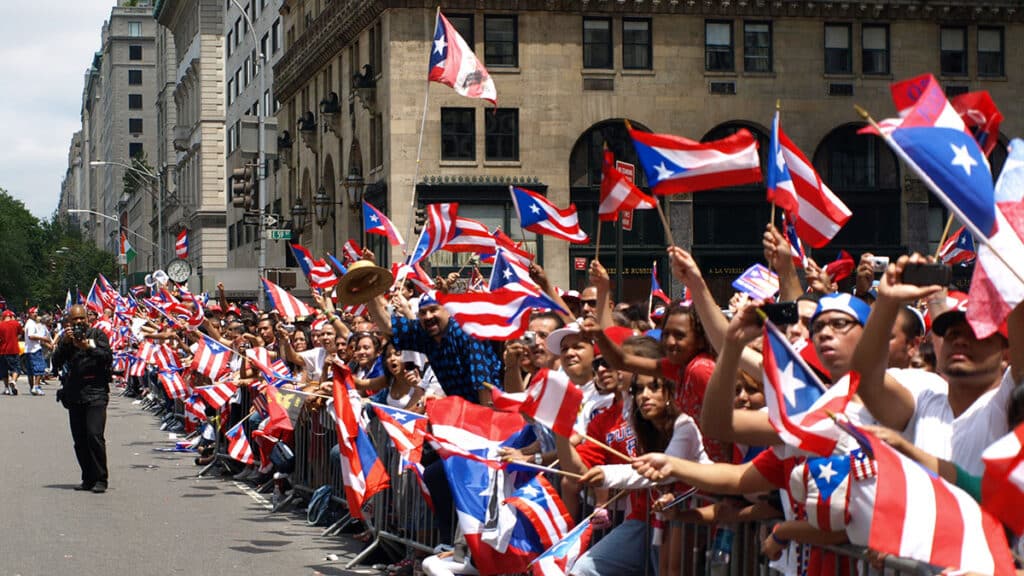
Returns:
(282, 457)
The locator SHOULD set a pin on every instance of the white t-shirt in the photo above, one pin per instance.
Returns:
(961, 439)
(593, 402)
(313, 360)
(33, 328)
(686, 443)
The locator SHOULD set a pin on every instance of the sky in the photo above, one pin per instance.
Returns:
(45, 49)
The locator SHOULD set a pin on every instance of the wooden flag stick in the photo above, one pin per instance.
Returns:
(608, 448)
(558, 471)
(597, 243)
(945, 234)
(664, 222)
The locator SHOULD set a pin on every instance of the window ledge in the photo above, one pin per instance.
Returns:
(503, 69)
(886, 77)
(638, 72)
(719, 74)
(459, 164)
(958, 78)
(759, 74)
(599, 72)
(992, 78)
(503, 164)
(833, 76)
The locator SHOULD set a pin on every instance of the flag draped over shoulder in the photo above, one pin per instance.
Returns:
(453, 63)
(675, 165)
(537, 214)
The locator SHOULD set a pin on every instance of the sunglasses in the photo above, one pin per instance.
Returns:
(591, 303)
(654, 386)
(599, 363)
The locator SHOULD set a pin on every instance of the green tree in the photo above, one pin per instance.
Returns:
(20, 237)
(72, 263)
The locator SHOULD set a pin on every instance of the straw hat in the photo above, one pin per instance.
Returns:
(363, 281)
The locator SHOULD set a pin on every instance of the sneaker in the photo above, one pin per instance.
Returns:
(99, 488)
(7, 391)
(39, 391)
(14, 390)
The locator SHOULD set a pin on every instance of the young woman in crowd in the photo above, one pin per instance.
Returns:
(403, 382)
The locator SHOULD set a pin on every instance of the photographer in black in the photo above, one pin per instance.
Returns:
(84, 360)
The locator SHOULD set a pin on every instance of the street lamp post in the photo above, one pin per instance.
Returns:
(154, 179)
(261, 114)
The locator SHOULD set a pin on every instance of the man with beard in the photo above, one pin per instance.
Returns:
(461, 362)
(956, 422)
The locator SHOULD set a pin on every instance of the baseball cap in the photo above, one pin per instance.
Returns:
(8, 314)
(846, 303)
(956, 303)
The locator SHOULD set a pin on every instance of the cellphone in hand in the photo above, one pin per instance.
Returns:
(925, 274)
(781, 313)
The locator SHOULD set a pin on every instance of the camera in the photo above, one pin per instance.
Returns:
(879, 264)
(78, 331)
(529, 338)
(924, 274)
(288, 327)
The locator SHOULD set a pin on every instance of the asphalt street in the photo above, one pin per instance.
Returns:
(157, 518)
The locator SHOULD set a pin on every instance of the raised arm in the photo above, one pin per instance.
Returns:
(378, 312)
(611, 351)
(887, 400)
(779, 255)
(325, 304)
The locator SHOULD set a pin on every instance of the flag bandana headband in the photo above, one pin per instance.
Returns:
(429, 299)
(845, 303)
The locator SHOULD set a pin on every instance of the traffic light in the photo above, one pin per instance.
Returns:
(421, 219)
(243, 187)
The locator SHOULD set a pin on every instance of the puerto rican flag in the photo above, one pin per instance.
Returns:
(361, 469)
(217, 395)
(438, 231)
(538, 215)
(919, 515)
(195, 409)
(509, 273)
(816, 212)
(238, 444)
(415, 274)
(656, 291)
(1002, 484)
(375, 222)
(318, 272)
(407, 431)
(453, 63)
(539, 504)
(553, 400)
(352, 251)
(515, 250)
(792, 391)
(282, 301)
(173, 384)
(981, 116)
(560, 558)
(841, 267)
(618, 193)
(958, 248)
(499, 315)
(675, 165)
(181, 244)
(471, 236)
(827, 504)
(211, 358)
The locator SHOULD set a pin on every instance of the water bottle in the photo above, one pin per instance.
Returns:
(721, 548)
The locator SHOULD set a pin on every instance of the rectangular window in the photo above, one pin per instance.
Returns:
(135, 101)
(135, 29)
(238, 82)
(275, 36)
(265, 44)
(376, 141)
(953, 51)
(838, 57)
(248, 71)
(231, 236)
(134, 52)
(134, 149)
(135, 125)
(237, 29)
(757, 46)
(991, 61)
(458, 134)
(231, 91)
(134, 77)
(228, 44)
(501, 134)
(636, 44)
(597, 43)
(718, 52)
(501, 42)
(463, 24)
(875, 48)
(231, 145)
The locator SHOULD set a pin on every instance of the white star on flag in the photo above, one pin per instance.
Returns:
(780, 161)
(507, 273)
(825, 472)
(440, 45)
(535, 209)
(963, 158)
(399, 417)
(374, 219)
(530, 491)
(789, 391)
(663, 171)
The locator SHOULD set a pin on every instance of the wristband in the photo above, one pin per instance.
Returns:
(778, 540)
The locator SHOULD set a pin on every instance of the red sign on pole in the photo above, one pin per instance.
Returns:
(629, 171)
(579, 263)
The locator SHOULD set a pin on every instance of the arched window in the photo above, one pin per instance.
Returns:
(865, 174)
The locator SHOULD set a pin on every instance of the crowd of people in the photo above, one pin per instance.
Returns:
(25, 347)
(672, 396)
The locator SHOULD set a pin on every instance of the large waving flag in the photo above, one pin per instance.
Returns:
(792, 391)
(471, 236)
(677, 165)
(363, 472)
(453, 63)
(499, 315)
(238, 444)
(996, 289)
(93, 301)
(958, 248)
(553, 400)
(1002, 485)
(375, 222)
(318, 272)
(288, 305)
(438, 230)
(618, 193)
(211, 357)
(816, 212)
(919, 515)
(538, 215)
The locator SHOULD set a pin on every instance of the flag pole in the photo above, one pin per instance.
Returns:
(419, 146)
(650, 297)
(607, 448)
(945, 234)
(597, 241)
(954, 209)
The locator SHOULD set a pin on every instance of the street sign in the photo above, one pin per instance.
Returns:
(279, 234)
(250, 219)
(629, 171)
(579, 263)
(270, 220)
